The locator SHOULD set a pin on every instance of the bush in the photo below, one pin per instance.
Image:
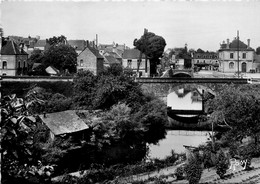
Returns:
(193, 170)
(222, 165)
(179, 173)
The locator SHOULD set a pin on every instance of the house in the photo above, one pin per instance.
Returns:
(28, 42)
(90, 59)
(130, 59)
(236, 56)
(116, 48)
(111, 58)
(13, 59)
(79, 45)
(41, 45)
(206, 60)
(64, 123)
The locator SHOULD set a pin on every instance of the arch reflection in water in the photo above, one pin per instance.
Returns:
(185, 101)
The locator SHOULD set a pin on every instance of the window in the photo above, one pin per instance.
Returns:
(138, 61)
(231, 65)
(81, 62)
(19, 65)
(4, 66)
(231, 55)
(244, 55)
(24, 64)
(129, 63)
(198, 61)
(204, 61)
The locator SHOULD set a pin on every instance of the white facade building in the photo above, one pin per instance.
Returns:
(236, 56)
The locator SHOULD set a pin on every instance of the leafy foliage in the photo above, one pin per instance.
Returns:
(222, 164)
(62, 57)
(18, 130)
(152, 46)
(237, 108)
(258, 50)
(59, 55)
(193, 170)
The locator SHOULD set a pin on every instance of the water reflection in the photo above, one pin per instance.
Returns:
(174, 140)
(185, 99)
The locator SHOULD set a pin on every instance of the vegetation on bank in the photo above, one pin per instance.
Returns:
(128, 120)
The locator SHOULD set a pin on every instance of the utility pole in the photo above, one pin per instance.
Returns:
(96, 40)
(238, 54)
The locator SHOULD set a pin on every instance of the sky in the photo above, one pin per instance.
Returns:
(200, 24)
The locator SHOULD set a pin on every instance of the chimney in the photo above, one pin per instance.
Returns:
(248, 43)
(87, 43)
(227, 43)
(93, 44)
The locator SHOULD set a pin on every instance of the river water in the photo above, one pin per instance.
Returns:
(175, 139)
(183, 98)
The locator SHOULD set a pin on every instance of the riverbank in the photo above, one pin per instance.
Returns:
(208, 176)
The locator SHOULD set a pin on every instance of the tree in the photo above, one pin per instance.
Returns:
(258, 50)
(152, 46)
(55, 41)
(62, 57)
(237, 108)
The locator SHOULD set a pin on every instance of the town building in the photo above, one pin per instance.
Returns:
(116, 48)
(13, 59)
(236, 56)
(206, 60)
(90, 59)
(130, 59)
(112, 58)
(78, 45)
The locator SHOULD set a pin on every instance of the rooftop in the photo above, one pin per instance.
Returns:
(132, 54)
(11, 48)
(64, 122)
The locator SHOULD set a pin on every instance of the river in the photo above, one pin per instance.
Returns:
(174, 140)
(185, 97)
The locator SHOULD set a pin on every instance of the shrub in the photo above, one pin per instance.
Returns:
(179, 173)
(193, 170)
(222, 165)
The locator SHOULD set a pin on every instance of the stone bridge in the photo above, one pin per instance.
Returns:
(161, 87)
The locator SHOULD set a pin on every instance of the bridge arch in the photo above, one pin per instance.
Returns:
(182, 74)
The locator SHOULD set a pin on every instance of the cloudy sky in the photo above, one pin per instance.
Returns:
(199, 24)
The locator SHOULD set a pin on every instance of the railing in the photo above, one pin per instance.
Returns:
(192, 80)
(36, 78)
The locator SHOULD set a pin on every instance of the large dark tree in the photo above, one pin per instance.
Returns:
(63, 57)
(152, 46)
(57, 40)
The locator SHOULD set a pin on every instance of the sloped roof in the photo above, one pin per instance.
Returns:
(64, 122)
(235, 45)
(40, 43)
(132, 54)
(11, 48)
(94, 51)
(52, 70)
(114, 54)
(77, 44)
(112, 59)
